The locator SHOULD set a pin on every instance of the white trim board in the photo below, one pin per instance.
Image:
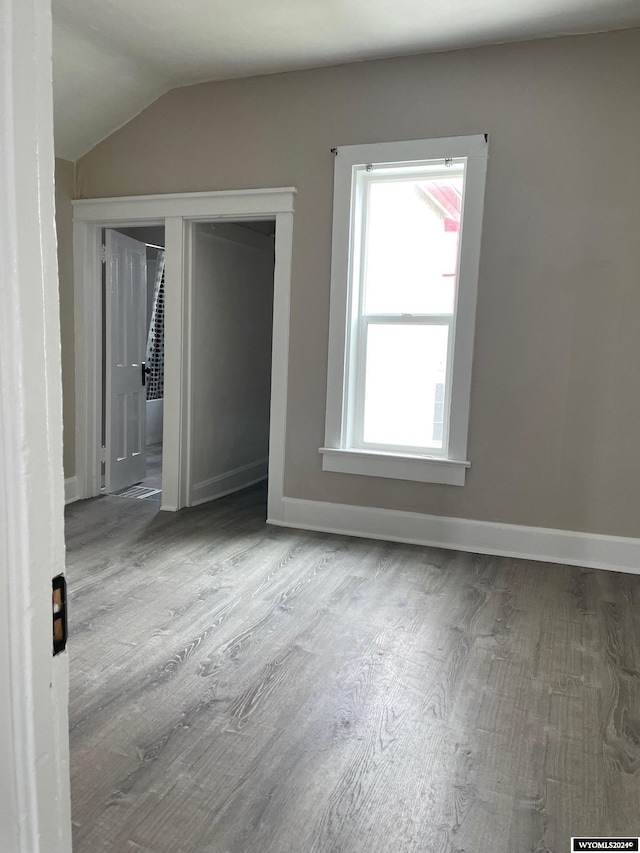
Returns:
(71, 491)
(404, 465)
(229, 482)
(614, 553)
(225, 204)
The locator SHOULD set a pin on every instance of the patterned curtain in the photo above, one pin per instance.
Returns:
(155, 341)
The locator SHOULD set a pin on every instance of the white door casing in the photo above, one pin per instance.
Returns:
(178, 213)
(126, 342)
(34, 741)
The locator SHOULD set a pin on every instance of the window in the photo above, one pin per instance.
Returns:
(406, 246)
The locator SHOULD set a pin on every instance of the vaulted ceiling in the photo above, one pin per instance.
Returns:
(112, 58)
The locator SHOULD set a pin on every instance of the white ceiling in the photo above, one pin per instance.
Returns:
(112, 58)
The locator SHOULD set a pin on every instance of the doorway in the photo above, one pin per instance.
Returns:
(133, 361)
(232, 306)
(180, 214)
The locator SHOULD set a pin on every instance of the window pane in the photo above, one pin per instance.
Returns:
(438, 412)
(411, 248)
(404, 386)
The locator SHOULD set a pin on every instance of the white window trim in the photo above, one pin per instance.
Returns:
(337, 454)
(397, 466)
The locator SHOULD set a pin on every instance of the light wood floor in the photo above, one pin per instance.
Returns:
(237, 687)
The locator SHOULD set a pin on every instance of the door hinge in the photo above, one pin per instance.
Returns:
(103, 454)
(104, 254)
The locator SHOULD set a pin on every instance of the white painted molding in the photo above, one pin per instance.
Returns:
(280, 359)
(177, 360)
(230, 481)
(231, 204)
(396, 466)
(614, 553)
(71, 490)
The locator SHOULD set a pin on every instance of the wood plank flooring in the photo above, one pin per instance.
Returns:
(237, 687)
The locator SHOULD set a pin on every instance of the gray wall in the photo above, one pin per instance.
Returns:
(65, 189)
(232, 327)
(555, 411)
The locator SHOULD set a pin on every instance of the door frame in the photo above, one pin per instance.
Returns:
(178, 213)
(34, 697)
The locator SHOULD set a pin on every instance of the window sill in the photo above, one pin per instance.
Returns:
(395, 466)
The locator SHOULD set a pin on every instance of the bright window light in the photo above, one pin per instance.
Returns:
(404, 292)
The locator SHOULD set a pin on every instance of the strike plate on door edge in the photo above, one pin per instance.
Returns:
(59, 614)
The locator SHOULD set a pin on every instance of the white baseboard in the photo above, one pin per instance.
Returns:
(71, 490)
(615, 553)
(229, 482)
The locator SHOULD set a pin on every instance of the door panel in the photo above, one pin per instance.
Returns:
(126, 339)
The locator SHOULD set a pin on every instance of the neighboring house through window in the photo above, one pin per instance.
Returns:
(406, 247)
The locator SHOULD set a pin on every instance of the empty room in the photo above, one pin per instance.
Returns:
(364, 277)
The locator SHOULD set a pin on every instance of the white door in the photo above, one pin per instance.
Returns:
(126, 340)
(34, 685)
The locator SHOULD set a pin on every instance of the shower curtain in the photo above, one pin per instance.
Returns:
(155, 340)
